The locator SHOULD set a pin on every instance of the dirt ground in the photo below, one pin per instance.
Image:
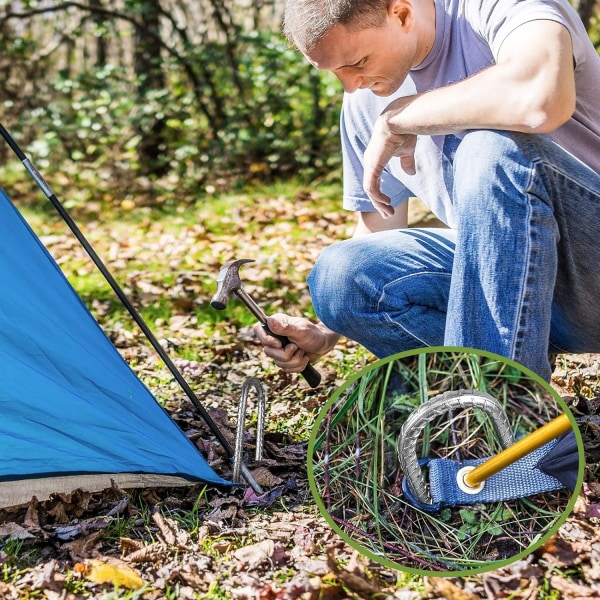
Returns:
(197, 542)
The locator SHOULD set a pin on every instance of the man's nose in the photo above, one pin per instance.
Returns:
(350, 81)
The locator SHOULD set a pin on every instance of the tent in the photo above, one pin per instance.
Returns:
(72, 412)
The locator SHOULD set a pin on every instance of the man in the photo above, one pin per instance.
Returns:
(489, 111)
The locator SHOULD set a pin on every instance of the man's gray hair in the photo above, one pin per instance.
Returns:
(306, 22)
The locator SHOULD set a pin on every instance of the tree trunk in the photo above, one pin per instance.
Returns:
(585, 10)
(99, 20)
(150, 77)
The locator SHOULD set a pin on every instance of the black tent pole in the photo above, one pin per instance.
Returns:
(47, 190)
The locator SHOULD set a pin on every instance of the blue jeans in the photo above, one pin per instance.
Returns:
(520, 276)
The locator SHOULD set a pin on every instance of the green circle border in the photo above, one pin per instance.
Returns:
(461, 573)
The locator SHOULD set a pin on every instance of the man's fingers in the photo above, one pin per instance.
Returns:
(265, 338)
(290, 359)
(372, 186)
(408, 164)
(380, 201)
(308, 341)
(296, 363)
(385, 209)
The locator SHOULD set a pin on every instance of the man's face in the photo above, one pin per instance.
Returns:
(378, 58)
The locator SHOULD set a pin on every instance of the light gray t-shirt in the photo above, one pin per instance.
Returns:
(469, 34)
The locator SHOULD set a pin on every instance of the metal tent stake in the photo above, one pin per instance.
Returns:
(251, 382)
(416, 422)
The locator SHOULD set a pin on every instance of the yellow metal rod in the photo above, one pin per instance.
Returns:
(524, 446)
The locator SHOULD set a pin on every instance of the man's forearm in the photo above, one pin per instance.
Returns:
(534, 96)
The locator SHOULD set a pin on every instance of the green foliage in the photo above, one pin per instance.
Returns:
(217, 122)
(594, 30)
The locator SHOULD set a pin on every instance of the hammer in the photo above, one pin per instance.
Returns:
(229, 281)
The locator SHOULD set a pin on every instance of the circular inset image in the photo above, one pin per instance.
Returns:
(445, 461)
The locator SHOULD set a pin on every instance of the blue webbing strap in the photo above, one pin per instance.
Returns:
(522, 478)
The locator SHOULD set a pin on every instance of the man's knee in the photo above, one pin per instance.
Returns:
(331, 282)
(378, 273)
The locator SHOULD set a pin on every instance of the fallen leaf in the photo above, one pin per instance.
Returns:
(304, 537)
(15, 532)
(254, 554)
(115, 572)
(172, 533)
(128, 545)
(593, 510)
(448, 590)
(354, 582)
(32, 516)
(68, 532)
(198, 574)
(152, 553)
(265, 478)
(571, 590)
(519, 580)
(86, 546)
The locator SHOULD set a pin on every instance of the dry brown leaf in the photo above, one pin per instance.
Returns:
(519, 580)
(86, 546)
(45, 576)
(15, 531)
(128, 545)
(571, 590)
(112, 571)
(222, 546)
(172, 533)
(67, 505)
(198, 575)
(356, 583)
(8, 592)
(265, 478)
(448, 590)
(152, 553)
(563, 553)
(32, 516)
(224, 514)
(254, 554)
(313, 566)
(304, 538)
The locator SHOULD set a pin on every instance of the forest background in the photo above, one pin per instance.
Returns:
(159, 95)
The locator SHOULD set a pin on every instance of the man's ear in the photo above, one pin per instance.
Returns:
(402, 10)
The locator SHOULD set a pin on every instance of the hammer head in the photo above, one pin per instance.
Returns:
(228, 282)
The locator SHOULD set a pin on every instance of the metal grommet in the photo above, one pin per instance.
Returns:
(416, 422)
(463, 485)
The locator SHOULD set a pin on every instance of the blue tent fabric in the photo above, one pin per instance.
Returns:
(69, 403)
(518, 480)
(562, 461)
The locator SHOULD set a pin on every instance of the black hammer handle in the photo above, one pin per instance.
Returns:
(312, 376)
(229, 282)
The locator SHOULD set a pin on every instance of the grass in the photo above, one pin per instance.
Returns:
(167, 259)
(362, 498)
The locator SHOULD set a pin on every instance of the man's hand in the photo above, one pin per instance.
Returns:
(386, 142)
(308, 341)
